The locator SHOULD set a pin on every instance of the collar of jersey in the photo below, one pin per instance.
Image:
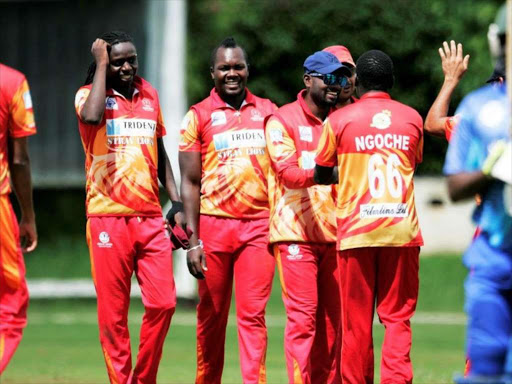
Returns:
(218, 103)
(137, 83)
(305, 108)
(375, 95)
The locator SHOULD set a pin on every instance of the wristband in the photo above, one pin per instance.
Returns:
(200, 245)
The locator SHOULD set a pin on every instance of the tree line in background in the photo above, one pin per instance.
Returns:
(279, 34)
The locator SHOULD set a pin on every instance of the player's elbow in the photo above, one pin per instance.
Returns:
(90, 118)
(434, 127)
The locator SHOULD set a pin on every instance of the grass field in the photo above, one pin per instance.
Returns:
(61, 342)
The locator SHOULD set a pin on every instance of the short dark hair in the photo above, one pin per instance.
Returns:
(112, 38)
(228, 42)
(375, 71)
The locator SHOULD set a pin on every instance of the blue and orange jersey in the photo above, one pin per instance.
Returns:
(121, 153)
(376, 144)
(16, 116)
(299, 210)
(484, 118)
(233, 154)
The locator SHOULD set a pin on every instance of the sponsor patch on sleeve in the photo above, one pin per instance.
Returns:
(27, 100)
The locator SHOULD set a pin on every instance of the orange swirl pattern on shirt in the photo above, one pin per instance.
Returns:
(121, 154)
(16, 116)
(234, 157)
(363, 210)
(297, 214)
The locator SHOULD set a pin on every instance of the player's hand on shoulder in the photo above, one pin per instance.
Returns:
(453, 62)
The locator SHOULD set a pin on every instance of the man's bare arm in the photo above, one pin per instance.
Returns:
(19, 166)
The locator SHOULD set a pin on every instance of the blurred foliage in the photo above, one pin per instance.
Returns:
(279, 34)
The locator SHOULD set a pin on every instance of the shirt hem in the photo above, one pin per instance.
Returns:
(124, 214)
(376, 245)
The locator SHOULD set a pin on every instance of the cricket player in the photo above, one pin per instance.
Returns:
(376, 144)
(475, 164)
(16, 124)
(121, 128)
(303, 224)
(224, 166)
(346, 96)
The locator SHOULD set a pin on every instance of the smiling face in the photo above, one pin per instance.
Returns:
(230, 73)
(322, 95)
(122, 67)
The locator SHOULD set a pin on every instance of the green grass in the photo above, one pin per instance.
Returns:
(61, 344)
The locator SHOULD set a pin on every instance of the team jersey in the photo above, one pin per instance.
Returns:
(484, 119)
(376, 143)
(234, 157)
(16, 116)
(299, 210)
(121, 159)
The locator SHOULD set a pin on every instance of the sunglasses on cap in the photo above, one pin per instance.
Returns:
(331, 79)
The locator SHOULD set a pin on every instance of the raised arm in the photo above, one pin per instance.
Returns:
(94, 107)
(19, 166)
(454, 66)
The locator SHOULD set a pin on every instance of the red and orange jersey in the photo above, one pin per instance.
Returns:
(376, 143)
(16, 116)
(233, 154)
(449, 126)
(121, 159)
(299, 210)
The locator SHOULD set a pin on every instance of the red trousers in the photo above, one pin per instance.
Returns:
(13, 287)
(120, 246)
(309, 281)
(235, 249)
(385, 277)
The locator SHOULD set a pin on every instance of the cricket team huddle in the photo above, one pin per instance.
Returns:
(321, 187)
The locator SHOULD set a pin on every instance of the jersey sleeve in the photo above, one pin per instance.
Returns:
(449, 126)
(283, 157)
(21, 121)
(160, 127)
(189, 133)
(80, 99)
(326, 154)
(419, 148)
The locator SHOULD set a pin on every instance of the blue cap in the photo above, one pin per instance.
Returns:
(322, 62)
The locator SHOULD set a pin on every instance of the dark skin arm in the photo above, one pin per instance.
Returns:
(466, 185)
(190, 165)
(19, 166)
(166, 177)
(94, 107)
(454, 66)
(325, 175)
